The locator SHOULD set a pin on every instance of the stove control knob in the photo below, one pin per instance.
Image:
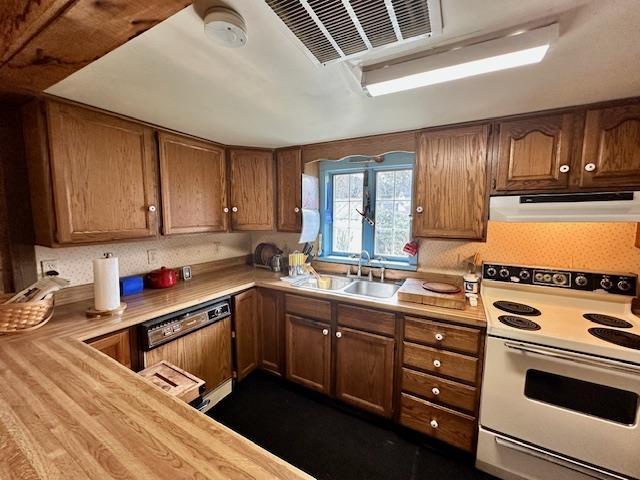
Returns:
(525, 274)
(606, 283)
(559, 279)
(491, 271)
(624, 286)
(504, 273)
(546, 277)
(581, 281)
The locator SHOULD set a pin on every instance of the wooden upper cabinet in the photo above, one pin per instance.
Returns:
(103, 175)
(193, 185)
(289, 173)
(611, 147)
(247, 330)
(535, 153)
(450, 199)
(251, 175)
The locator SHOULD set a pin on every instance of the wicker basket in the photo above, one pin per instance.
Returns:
(24, 317)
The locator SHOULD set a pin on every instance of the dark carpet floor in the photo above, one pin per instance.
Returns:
(332, 442)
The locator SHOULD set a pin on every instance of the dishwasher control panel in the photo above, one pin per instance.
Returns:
(169, 327)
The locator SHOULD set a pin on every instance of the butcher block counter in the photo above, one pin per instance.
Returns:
(69, 411)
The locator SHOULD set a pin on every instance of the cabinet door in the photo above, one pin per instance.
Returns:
(252, 197)
(104, 176)
(289, 172)
(246, 332)
(271, 318)
(451, 183)
(116, 345)
(193, 185)
(611, 147)
(308, 353)
(364, 370)
(205, 353)
(535, 153)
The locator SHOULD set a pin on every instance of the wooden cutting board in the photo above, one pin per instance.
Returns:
(413, 291)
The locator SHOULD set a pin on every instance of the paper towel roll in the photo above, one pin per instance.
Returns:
(106, 288)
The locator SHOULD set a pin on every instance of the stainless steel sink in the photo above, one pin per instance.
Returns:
(334, 283)
(372, 289)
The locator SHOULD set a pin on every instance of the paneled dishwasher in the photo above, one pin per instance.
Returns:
(196, 339)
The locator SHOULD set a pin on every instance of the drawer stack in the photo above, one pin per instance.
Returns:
(440, 379)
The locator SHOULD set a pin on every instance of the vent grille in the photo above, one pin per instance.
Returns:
(332, 30)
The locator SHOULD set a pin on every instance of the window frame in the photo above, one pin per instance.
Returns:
(327, 171)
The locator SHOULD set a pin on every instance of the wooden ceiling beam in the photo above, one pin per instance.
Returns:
(52, 39)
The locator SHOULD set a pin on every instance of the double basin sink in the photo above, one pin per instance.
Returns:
(351, 286)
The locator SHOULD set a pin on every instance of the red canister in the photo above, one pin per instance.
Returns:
(162, 278)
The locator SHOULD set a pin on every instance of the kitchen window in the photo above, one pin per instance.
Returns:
(366, 205)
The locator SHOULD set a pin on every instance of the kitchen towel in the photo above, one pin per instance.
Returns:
(106, 286)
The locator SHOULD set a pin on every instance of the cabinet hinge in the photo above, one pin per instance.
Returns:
(493, 183)
(234, 374)
(233, 334)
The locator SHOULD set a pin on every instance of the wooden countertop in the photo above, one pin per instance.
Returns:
(69, 411)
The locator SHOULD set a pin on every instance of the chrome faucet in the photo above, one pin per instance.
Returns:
(382, 269)
(363, 252)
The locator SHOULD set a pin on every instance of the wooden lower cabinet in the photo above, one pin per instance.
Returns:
(364, 370)
(205, 353)
(246, 332)
(308, 346)
(454, 428)
(116, 345)
(271, 337)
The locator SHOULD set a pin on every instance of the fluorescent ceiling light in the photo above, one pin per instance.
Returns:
(501, 54)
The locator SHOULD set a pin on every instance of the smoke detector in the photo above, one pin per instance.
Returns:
(226, 27)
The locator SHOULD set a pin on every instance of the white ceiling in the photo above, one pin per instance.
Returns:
(270, 94)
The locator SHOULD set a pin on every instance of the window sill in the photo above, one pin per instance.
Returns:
(390, 264)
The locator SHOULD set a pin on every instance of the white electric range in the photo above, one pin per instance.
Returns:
(561, 383)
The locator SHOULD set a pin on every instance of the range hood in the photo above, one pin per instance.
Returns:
(570, 207)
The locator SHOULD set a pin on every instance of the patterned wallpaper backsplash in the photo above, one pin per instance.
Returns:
(75, 263)
(595, 246)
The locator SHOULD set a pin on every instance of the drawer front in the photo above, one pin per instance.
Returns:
(454, 428)
(441, 362)
(439, 390)
(442, 335)
(308, 307)
(375, 321)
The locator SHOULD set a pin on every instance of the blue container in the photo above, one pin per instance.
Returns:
(131, 285)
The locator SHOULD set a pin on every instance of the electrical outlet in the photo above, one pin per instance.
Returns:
(152, 256)
(48, 265)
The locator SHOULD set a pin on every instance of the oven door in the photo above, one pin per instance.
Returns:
(577, 405)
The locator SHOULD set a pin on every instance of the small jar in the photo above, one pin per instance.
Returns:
(471, 283)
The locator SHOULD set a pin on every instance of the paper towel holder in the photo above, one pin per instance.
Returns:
(92, 312)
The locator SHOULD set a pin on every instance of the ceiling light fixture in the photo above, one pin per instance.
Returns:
(491, 56)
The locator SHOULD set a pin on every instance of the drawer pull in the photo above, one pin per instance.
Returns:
(435, 391)
(439, 336)
(437, 363)
(325, 331)
(434, 423)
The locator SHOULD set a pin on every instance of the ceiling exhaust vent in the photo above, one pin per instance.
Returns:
(334, 30)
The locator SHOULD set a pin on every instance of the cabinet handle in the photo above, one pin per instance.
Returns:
(338, 334)
(439, 336)
(225, 209)
(564, 168)
(590, 167)
(419, 209)
(325, 331)
(437, 363)
(435, 391)
(296, 210)
(434, 423)
(152, 208)
(234, 209)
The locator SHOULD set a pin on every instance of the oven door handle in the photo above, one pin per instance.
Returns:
(576, 358)
(557, 459)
